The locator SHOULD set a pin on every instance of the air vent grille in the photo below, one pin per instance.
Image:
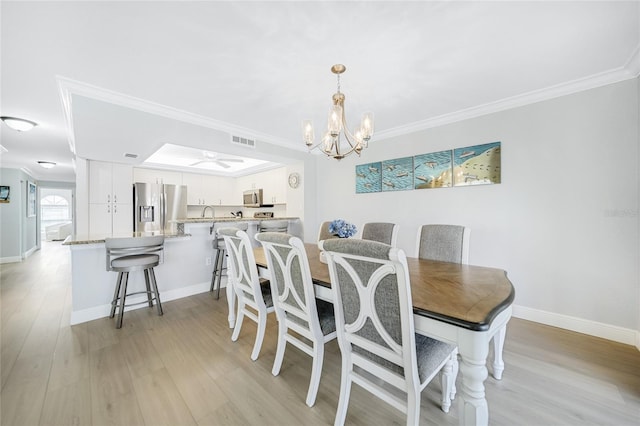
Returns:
(128, 155)
(239, 140)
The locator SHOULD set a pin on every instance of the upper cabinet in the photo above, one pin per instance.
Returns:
(157, 176)
(273, 184)
(209, 190)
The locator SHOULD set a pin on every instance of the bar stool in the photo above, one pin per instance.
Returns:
(219, 247)
(126, 255)
(273, 226)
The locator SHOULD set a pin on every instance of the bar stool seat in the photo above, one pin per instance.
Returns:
(219, 247)
(126, 255)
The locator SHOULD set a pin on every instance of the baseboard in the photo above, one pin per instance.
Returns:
(102, 311)
(30, 251)
(592, 328)
(11, 259)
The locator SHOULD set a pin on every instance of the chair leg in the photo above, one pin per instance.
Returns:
(123, 297)
(238, 325)
(446, 379)
(282, 343)
(146, 281)
(215, 270)
(498, 346)
(413, 406)
(154, 283)
(316, 372)
(345, 392)
(231, 303)
(262, 325)
(456, 368)
(219, 276)
(116, 295)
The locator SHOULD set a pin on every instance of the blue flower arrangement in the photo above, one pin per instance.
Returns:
(342, 229)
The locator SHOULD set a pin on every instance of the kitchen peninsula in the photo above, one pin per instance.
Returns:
(186, 268)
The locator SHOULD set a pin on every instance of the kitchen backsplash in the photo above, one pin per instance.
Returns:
(225, 211)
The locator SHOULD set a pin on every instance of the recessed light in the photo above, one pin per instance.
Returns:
(19, 124)
(47, 164)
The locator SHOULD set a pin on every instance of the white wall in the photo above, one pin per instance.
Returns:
(564, 222)
(18, 232)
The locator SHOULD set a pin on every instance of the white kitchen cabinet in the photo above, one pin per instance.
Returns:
(157, 176)
(110, 198)
(272, 182)
(219, 190)
(195, 189)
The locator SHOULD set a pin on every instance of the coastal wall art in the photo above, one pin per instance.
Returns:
(471, 165)
(369, 178)
(432, 170)
(31, 199)
(5, 194)
(477, 165)
(397, 174)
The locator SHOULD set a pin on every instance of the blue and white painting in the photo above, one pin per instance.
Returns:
(432, 170)
(369, 178)
(397, 174)
(477, 164)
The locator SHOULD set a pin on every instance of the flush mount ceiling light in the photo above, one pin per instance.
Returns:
(331, 143)
(19, 124)
(47, 164)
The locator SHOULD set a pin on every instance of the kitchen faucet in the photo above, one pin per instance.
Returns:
(204, 210)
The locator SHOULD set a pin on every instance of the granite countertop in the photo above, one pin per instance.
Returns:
(230, 219)
(72, 240)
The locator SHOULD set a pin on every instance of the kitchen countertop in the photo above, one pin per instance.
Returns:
(72, 240)
(231, 219)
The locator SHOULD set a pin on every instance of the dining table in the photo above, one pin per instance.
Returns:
(464, 305)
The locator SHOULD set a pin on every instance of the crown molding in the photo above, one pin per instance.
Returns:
(627, 72)
(70, 87)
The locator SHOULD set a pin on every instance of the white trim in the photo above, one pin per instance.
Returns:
(10, 259)
(30, 252)
(70, 87)
(103, 311)
(580, 325)
(629, 71)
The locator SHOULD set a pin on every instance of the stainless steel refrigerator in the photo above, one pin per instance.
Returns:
(155, 206)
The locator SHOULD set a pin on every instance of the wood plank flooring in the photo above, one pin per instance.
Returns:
(183, 369)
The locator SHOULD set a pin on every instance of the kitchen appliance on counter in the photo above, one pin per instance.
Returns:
(237, 214)
(253, 198)
(157, 206)
(260, 215)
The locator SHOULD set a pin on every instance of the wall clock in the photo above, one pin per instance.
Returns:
(294, 180)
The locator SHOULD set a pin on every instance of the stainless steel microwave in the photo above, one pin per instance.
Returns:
(252, 198)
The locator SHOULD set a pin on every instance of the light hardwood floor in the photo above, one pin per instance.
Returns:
(183, 369)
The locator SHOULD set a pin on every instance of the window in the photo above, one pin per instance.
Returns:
(54, 209)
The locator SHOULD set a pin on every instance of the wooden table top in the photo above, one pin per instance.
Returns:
(463, 295)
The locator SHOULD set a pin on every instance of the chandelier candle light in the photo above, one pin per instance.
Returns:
(331, 143)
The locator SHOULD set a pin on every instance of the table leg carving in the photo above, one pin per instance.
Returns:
(474, 348)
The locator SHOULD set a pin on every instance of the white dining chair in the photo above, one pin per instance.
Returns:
(375, 327)
(323, 231)
(382, 232)
(242, 273)
(298, 311)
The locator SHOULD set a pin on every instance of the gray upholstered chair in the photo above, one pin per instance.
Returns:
(126, 255)
(299, 313)
(243, 277)
(323, 232)
(273, 226)
(381, 232)
(219, 247)
(376, 333)
(446, 243)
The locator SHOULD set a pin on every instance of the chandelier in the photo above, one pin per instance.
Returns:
(330, 144)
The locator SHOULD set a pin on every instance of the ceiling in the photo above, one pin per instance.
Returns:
(137, 75)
